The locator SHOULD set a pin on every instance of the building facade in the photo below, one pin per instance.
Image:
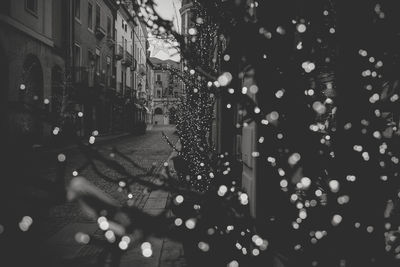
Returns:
(79, 60)
(124, 47)
(150, 91)
(167, 92)
(140, 47)
(32, 61)
(92, 61)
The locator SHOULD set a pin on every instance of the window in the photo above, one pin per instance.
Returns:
(158, 77)
(108, 71)
(108, 26)
(77, 63)
(158, 111)
(185, 23)
(97, 15)
(77, 9)
(77, 55)
(90, 67)
(31, 6)
(90, 56)
(122, 24)
(98, 63)
(90, 16)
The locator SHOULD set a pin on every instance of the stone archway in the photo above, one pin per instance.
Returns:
(158, 111)
(31, 96)
(159, 116)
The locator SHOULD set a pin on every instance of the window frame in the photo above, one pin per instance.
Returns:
(98, 63)
(108, 70)
(90, 17)
(91, 63)
(109, 26)
(77, 3)
(98, 8)
(76, 45)
(32, 12)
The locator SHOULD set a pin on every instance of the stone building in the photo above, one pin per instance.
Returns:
(92, 60)
(167, 92)
(124, 49)
(31, 61)
(140, 46)
(150, 91)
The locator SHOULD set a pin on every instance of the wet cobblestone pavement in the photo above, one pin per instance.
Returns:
(145, 151)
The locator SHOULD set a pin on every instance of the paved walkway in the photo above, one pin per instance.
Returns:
(66, 220)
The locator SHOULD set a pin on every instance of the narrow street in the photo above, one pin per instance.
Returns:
(66, 220)
(200, 133)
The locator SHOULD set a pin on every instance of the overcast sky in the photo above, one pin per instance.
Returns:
(167, 9)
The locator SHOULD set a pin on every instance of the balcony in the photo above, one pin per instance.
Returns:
(110, 41)
(142, 69)
(134, 64)
(81, 75)
(119, 54)
(100, 32)
(111, 82)
(127, 60)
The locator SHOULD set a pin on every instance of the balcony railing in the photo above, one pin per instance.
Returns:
(119, 54)
(100, 79)
(81, 75)
(106, 80)
(127, 60)
(100, 32)
(142, 69)
(110, 41)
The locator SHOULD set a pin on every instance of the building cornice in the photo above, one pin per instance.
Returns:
(25, 29)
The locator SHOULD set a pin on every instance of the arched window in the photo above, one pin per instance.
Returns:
(31, 94)
(158, 111)
(32, 81)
